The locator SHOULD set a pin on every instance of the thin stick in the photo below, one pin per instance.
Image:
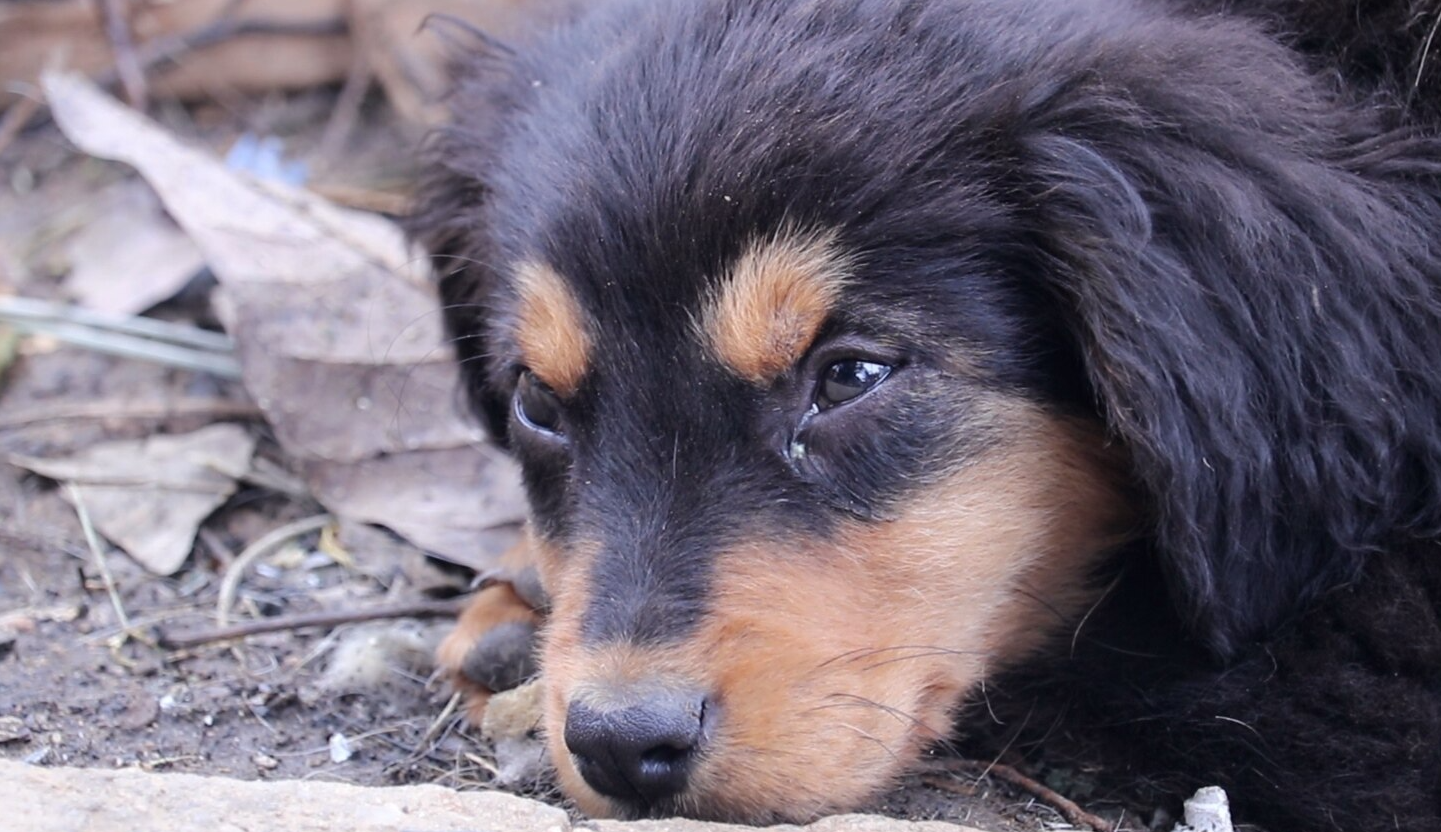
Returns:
(122, 46)
(367, 199)
(218, 408)
(17, 115)
(346, 112)
(1068, 808)
(260, 548)
(93, 540)
(439, 722)
(323, 618)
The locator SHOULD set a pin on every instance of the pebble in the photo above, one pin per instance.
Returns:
(12, 729)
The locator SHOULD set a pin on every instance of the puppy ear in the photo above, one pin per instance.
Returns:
(1256, 308)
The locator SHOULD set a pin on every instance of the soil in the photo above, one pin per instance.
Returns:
(77, 688)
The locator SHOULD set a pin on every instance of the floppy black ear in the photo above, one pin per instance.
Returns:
(1251, 279)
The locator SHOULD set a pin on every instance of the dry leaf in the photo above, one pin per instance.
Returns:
(149, 496)
(338, 333)
(130, 257)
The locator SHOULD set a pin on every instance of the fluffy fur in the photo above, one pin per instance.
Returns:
(1208, 229)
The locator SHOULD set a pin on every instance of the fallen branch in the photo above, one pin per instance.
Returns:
(1068, 808)
(326, 618)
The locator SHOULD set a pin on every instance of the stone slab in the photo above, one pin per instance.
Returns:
(44, 799)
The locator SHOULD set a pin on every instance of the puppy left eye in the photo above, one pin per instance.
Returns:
(848, 379)
(536, 404)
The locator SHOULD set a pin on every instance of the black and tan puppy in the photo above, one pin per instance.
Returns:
(861, 352)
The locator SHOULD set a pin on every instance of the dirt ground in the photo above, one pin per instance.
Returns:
(79, 688)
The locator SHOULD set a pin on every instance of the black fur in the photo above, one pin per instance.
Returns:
(1212, 226)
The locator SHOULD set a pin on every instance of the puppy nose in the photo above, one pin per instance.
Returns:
(641, 752)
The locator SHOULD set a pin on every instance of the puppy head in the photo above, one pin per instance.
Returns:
(784, 532)
(831, 338)
(805, 463)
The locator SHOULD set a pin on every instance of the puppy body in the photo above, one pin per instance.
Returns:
(860, 352)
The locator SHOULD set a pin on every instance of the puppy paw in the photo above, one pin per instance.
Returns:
(491, 648)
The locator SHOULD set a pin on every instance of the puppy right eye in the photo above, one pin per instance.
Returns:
(536, 404)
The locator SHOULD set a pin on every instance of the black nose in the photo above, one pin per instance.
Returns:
(641, 752)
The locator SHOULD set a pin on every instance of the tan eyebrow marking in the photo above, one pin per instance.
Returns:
(551, 330)
(773, 303)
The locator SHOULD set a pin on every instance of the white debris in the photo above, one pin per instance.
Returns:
(1208, 810)
(340, 749)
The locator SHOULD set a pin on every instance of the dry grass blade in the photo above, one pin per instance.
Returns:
(146, 339)
(260, 548)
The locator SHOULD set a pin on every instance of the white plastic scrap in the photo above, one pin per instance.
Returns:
(340, 750)
(1208, 810)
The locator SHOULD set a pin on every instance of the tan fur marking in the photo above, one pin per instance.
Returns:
(772, 304)
(551, 329)
(835, 664)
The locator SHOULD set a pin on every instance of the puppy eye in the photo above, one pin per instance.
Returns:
(536, 404)
(848, 379)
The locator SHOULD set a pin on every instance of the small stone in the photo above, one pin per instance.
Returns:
(265, 761)
(12, 729)
(340, 749)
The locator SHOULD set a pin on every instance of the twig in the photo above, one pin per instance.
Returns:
(377, 201)
(1068, 808)
(260, 548)
(17, 115)
(346, 112)
(122, 45)
(324, 618)
(65, 411)
(162, 50)
(98, 553)
(217, 547)
(439, 721)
